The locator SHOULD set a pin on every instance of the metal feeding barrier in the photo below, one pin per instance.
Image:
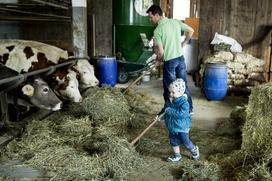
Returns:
(10, 79)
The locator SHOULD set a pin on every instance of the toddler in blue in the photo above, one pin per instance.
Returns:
(178, 121)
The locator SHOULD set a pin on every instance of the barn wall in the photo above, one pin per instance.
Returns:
(102, 11)
(55, 33)
(243, 20)
(213, 17)
(59, 33)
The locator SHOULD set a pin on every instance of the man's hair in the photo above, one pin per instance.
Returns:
(155, 9)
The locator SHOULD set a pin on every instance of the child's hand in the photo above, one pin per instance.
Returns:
(167, 110)
(160, 118)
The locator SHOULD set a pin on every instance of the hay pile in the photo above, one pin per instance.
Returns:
(257, 133)
(244, 70)
(143, 107)
(104, 104)
(83, 142)
(254, 160)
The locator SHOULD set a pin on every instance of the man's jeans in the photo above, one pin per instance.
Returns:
(174, 68)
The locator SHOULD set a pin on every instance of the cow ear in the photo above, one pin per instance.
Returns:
(28, 90)
(56, 90)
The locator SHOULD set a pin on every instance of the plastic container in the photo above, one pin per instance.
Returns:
(190, 51)
(215, 81)
(106, 70)
(146, 77)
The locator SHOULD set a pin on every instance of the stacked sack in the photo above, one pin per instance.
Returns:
(244, 70)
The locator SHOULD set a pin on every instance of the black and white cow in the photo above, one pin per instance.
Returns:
(24, 56)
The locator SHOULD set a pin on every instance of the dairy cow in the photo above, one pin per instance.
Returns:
(35, 93)
(67, 84)
(24, 56)
(86, 74)
(38, 93)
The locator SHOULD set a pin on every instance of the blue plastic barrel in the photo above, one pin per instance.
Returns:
(107, 70)
(215, 81)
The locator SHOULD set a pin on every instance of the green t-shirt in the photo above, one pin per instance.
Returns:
(168, 34)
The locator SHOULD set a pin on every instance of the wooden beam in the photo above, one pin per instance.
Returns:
(27, 18)
(31, 13)
(51, 4)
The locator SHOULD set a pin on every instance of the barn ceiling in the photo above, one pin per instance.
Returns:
(35, 10)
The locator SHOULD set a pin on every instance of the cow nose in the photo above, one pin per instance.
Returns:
(81, 99)
(57, 107)
(96, 82)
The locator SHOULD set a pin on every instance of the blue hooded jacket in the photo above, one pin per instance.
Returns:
(177, 117)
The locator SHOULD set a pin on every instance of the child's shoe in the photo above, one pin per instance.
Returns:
(175, 158)
(195, 153)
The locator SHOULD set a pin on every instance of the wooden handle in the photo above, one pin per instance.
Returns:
(144, 131)
(134, 82)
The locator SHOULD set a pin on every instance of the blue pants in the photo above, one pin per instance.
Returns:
(181, 138)
(172, 69)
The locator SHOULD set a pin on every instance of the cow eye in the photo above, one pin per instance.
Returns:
(46, 90)
(72, 87)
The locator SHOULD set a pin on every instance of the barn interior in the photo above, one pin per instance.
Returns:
(111, 131)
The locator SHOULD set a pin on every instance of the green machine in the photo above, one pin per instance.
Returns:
(132, 31)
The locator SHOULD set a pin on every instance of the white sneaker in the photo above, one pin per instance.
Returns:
(174, 158)
(195, 153)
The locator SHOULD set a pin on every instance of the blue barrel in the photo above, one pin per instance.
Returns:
(215, 81)
(107, 70)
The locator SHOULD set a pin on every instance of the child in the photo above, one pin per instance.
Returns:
(178, 121)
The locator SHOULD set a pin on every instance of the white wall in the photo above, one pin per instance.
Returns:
(181, 9)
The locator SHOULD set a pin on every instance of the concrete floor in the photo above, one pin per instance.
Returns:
(206, 113)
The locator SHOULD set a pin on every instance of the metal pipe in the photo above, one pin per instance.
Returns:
(94, 46)
(48, 69)
(18, 82)
(114, 41)
(10, 79)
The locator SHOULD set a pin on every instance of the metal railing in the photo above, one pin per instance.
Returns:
(14, 81)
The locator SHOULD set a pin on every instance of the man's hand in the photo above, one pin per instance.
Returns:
(158, 62)
(188, 35)
(183, 44)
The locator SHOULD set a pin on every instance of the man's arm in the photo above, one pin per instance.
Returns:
(188, 35)
(158, 49)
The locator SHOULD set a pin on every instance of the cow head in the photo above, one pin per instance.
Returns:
(40, 95)
(67, 87)
(86, 74)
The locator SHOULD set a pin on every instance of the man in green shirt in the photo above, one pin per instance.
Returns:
(168, 48)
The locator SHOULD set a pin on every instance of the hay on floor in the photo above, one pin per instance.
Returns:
(257, 133)
(83, 142)
(104, 105)
(253, 160)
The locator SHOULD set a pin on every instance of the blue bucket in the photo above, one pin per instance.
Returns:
(107, 70)
(216, 81)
